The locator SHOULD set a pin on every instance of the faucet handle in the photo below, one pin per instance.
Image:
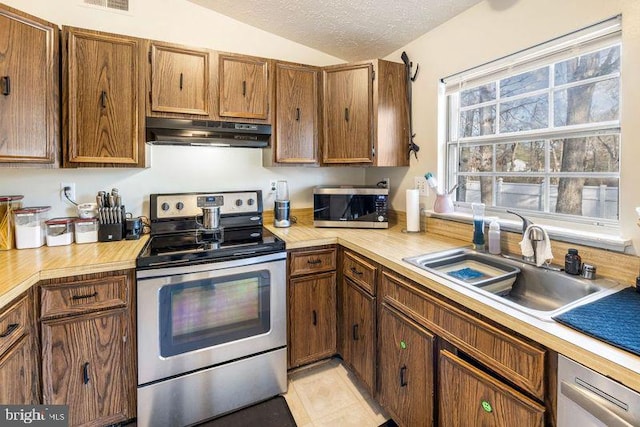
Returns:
(525, 221)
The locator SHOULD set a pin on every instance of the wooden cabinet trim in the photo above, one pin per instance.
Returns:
(448, 362)
(465, 332)
(308, 262)
(83, 296)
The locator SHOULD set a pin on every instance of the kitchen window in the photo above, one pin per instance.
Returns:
(539, 131)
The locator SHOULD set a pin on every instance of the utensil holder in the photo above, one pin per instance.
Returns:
(112, 232)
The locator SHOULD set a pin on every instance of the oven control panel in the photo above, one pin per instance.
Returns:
(168, 206)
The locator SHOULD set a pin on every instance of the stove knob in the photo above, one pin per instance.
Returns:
(250, 202)
(165, 206)
(238, 202)
(380, 218)
(179, 206)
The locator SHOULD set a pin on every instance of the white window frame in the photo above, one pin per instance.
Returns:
(596, 37)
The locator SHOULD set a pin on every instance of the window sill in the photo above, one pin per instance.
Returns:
(579, 237)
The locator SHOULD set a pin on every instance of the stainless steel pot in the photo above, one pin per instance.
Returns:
(210, 217)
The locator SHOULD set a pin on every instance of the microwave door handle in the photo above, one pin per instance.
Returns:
(593, 405)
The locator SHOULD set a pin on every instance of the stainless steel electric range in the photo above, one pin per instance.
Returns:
(211, 307)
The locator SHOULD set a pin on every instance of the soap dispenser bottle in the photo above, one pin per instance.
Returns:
(494, 237)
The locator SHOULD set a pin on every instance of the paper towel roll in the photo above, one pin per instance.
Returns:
(413, 210)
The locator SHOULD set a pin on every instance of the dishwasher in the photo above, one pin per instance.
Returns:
(589, 399)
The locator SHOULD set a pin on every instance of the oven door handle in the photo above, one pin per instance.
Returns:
(598, 407)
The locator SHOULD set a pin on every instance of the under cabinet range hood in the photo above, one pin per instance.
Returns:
(163, 131)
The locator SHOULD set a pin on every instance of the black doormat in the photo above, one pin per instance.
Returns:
(270, 413)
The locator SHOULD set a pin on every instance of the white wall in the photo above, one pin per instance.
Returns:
(495, 28)
(174, 169)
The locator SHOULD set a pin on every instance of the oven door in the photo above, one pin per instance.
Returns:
(199, 316)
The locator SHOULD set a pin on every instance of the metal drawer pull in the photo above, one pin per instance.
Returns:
(346, 114)
(355, 332)
(596, 405)
(403, 380)
(6, 85)
(103, 99)
(244, 88)
(181, 80)
(355, 271)
(10, 328)
(85, 373)
(76, 297)
(315, 318)
(314, 261)
(297, 114)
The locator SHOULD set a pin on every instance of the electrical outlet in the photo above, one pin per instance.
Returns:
(272, 185)
(71, 192)
(420, 182)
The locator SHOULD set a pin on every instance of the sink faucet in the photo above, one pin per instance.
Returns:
(536, 234)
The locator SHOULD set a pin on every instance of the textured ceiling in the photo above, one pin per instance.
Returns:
(350, 30)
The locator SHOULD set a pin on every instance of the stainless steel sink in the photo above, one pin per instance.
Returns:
(537, 291)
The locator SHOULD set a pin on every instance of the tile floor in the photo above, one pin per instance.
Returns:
(327, 394)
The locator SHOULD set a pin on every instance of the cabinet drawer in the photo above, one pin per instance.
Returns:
(360, 271)
(13, 324)
(517, 360)
(83, 296)
(312, 261)
(487, 401)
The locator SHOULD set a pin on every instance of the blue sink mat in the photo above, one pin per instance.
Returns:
(613, 319)
(466, 274)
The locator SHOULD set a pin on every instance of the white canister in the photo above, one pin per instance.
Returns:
(86, 230)
(59, 231)
(29, 226)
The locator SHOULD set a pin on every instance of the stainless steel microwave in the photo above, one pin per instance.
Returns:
(350, 206)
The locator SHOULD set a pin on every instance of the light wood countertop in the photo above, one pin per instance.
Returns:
(388, 247)
(22, 268)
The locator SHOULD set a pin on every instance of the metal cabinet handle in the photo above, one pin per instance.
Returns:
(354, 332)
(403, 379)
(10, 328)
(6, 85)
(85, 373)
(297, 114)
(181, 80)
(314, 261)
(355, 271)
(103, 99)
(315, 318)
(346, 114)
(77, 297)
(244, 88)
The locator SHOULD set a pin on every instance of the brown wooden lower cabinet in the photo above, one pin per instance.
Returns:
(18, 354)
(359, 332)
(405, 369)
(470, 397)
(88, 347)
(312, 318)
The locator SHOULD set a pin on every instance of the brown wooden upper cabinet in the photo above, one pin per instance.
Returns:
(179, 79)
(297, 118)
(244, 86)
(366, 114)
(103, 99)
(29, 89)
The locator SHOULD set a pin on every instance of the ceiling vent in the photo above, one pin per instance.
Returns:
(122, 6)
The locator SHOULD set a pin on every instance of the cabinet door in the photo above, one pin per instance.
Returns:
(29, 102)
(296, 121)
(348, 110)
(84, 365)
(179, 80)
(405, 369)
(17, 373)
(244, 91)
(103, 100)
(486, 401)
(358, 332)
(312, 318)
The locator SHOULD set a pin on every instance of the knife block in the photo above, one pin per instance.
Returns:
(112, 232)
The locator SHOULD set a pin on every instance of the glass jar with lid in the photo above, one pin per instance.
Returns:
(86, 230)
(7, 205)
(29, 226)
(59, 231)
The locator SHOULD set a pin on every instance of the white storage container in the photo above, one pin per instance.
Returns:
(86, 230)
(29, 226)
(59, 231)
